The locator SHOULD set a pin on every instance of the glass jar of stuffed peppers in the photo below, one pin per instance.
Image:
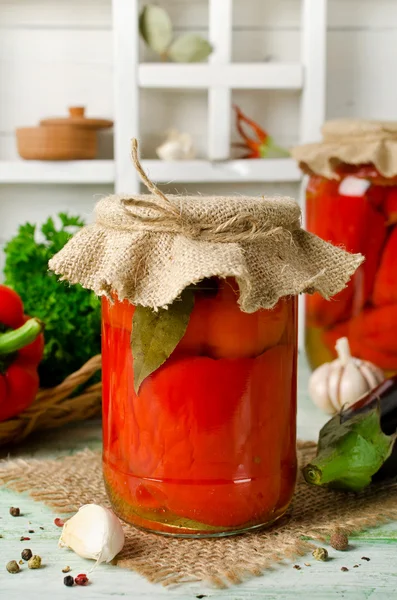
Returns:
(206, 443)
(199, 352)
(351, 201)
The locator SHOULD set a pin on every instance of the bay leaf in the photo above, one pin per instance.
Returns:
(189, 48)
(155, 27)
(155, 335)
(349, 452)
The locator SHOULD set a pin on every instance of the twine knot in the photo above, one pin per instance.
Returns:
(160, 215)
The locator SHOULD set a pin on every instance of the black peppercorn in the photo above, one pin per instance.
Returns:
(68, 580)
(15, 512)
(26, 554)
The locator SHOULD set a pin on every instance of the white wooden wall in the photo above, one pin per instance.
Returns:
(54, 53)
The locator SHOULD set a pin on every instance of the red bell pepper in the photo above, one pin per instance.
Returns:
(353, 223)
(390, 206)
(385, 288)
(21, 349)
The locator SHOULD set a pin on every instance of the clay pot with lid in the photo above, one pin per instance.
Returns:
(61, 138)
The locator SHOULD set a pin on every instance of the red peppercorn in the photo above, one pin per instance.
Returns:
(58, 522)
(81, 579)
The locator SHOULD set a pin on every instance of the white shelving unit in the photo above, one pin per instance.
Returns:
(219, 76)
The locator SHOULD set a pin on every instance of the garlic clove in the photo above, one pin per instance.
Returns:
(372, 373)
(353, 385)
(176, 146)
(93, 532)
(335, 375)
(170, 151)
(318, 388)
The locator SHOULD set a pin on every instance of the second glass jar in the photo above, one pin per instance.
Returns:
(359, 212)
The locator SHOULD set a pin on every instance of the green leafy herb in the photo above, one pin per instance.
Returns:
(189, 48)
(155, 27)
(155, 335)
(349, 453)
(71, 313)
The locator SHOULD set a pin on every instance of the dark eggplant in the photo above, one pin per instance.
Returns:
(385, 395)
(357, 446)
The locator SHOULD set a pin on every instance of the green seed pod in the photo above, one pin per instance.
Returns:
(320, 554)
(34, 562)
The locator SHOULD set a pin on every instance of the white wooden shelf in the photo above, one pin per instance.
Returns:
(192, 171)
(68, 172)
(233, 171)
(269, 76)
(219, 76)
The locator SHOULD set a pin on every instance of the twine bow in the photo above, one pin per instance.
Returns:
(166, 217)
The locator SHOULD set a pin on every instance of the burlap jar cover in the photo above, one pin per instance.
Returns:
(353, 142)
(149, 248)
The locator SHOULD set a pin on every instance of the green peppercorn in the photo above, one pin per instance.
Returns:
(320, 554)
(12, 566)
(26, 554)
(34, 562)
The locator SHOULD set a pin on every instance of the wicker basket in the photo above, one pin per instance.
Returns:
(57, 406)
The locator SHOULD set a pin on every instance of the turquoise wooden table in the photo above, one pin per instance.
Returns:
(374, 579)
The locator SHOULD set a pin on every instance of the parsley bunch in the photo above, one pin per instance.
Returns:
(71, 314)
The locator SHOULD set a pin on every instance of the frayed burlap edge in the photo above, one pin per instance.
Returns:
(67, 483)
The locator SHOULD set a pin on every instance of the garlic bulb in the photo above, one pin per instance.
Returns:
(340, 383)
(93, 532)
(177, 146)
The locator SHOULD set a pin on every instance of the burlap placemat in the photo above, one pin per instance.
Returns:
(67, 483)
